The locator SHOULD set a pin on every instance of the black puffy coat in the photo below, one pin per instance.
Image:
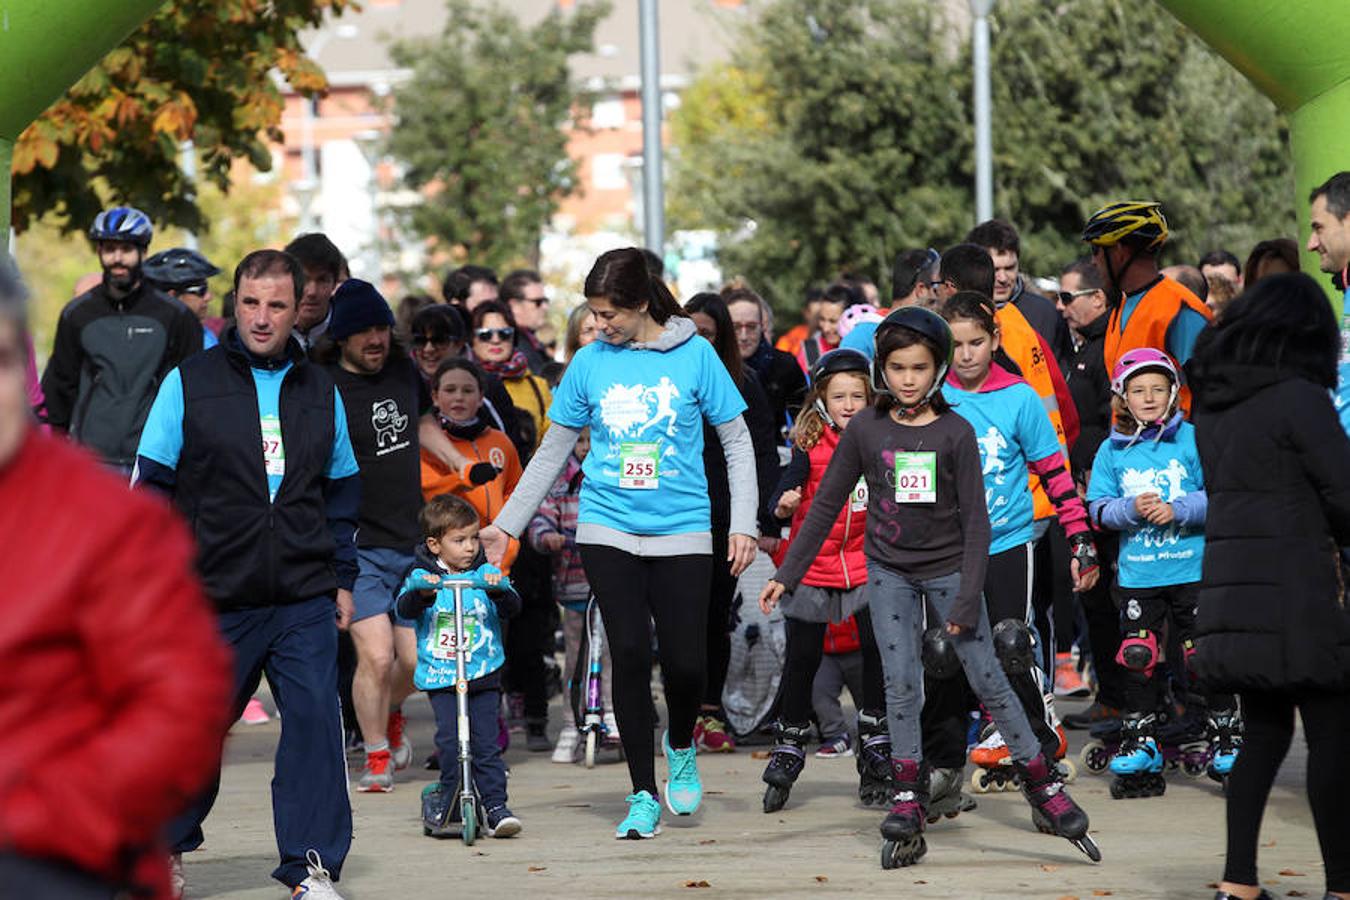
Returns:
(1277, 470)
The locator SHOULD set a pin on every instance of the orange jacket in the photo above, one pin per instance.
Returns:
(490, 446)
(1149, 323)
(1025, 346)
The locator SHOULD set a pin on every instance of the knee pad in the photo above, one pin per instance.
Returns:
(1014, 647)
(1139, 651)
(939, 654)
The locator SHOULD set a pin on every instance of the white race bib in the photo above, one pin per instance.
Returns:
(443, 634)
(857, 501)
(639, 466)
(916, 477)
(274, 451)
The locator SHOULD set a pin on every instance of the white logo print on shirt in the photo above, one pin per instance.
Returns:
(388, 423)
(1167, 484)
(626, 410)
(992, 442)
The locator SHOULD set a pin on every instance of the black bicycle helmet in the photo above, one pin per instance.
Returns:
(922, 321)
(840, 359)
(178, 267)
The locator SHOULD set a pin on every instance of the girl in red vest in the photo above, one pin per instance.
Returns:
(831, 590)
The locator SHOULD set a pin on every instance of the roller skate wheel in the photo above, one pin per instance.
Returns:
(980, 781)
(1094, 757)
(775, 798)
(1089, 847)
(898, 854)
(1068, 770)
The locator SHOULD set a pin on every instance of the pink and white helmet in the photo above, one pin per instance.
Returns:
(857, 314)
(1144, 359)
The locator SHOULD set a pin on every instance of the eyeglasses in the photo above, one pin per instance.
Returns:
(1064, 298)
(491, 334)
(746, 327)
(435, 341)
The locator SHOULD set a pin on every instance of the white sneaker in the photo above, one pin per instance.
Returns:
(319, 884)
(565, 751)
(612, 727)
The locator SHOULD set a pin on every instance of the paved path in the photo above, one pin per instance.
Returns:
(822, 844)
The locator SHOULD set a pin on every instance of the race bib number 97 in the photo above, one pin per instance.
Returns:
(916, 477)
(639, 466)
(274, 451)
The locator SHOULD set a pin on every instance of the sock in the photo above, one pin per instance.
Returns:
(376, 748)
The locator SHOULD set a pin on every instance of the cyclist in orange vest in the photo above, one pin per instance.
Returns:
(1149, 309)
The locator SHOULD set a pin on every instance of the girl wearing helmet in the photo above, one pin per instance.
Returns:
(1147, 484)
(831, 590)
(927, 545)
(1016, 440)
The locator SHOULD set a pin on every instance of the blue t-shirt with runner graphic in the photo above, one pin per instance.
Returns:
(644, 474)
(162, 437)
(1011, 427)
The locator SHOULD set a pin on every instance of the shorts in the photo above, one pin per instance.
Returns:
(379, 575)
(808, 603)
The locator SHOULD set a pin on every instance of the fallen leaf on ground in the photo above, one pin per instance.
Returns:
(822, 878)
(1068, 897)
(1049, 867)
(1213, 885)
(1296, 894)
(1270, 843)
(536, 868)
(759, 754)
(920, 882)
(1290, 872)
(1101, 893)
(697, 884)
(708, 841)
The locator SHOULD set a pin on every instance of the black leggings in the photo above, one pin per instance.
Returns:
(1268, 728)
(632, 591)
(805, 646)
(721, 592)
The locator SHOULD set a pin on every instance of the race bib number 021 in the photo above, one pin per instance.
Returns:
(916, 477)
(638, 466)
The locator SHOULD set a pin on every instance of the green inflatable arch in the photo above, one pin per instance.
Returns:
(1297, 52)
(45, 46)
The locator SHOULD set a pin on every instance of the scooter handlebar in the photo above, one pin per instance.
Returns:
(426, 581)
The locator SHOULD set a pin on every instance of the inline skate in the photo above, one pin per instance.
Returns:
(873, 760)
(945, 797)
(1225, 742)
(1138, 761)
(902, 829)
(1184, 746)
(1053, 810)
(786, 761)
(994, 769)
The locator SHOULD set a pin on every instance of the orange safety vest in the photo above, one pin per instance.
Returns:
(792, 340)
(1149, 322)
(1023, 345)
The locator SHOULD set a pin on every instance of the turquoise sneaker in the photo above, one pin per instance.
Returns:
(684, 790)
(643, 819)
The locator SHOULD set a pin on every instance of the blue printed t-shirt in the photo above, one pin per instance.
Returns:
(1342, 395)
(435, 629)
(861, 337)
(162, 437)
(1153, 555)
(1181, 333)
(644, 474)
(1011, 427)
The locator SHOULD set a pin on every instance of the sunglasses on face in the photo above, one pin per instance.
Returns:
(197, 290)
(1064, 298)
(495, 334)
(420, 340)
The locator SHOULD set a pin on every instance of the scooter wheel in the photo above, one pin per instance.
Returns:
(469, 813)
(592, 738)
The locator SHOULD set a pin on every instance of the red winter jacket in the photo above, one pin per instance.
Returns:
(117, 685)
(840, 562)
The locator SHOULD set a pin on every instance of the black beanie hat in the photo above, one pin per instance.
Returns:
(356, 307)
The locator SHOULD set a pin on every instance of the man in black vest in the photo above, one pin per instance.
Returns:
(382, 394)
(250, 441)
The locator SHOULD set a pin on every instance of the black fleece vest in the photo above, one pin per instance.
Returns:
(252, 551)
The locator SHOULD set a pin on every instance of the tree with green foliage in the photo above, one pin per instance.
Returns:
(199, 70)
(480, 127)
(856, 139)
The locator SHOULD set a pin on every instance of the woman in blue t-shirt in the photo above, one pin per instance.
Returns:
(644, 528)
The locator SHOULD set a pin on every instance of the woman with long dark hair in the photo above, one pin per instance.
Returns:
(1272, 623)
(713, 321)
(644, 526)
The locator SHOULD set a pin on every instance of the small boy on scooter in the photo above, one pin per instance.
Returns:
(451, 548)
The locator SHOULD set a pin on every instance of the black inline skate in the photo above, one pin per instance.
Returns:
(873, 760)
(785, 763)
(1052, 809)
(1225, 742)
(902, 829)
(945, 797)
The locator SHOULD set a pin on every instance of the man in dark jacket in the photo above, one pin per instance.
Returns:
(1004, 246)
(778, 372)
(1082, 303)
(114, 345)
(275, 539)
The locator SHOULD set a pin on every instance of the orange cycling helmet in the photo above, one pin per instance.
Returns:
(1140, 219)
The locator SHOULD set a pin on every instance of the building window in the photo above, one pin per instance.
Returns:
(607, 113)
(607, 172)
